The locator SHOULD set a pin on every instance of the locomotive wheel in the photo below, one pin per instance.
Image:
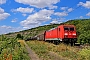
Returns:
(67, 42)
(72, 43)
(56, 42)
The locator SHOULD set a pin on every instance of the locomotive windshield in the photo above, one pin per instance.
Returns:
(69, 28)
(66, 28)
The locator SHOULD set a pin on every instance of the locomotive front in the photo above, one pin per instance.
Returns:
(70, 34)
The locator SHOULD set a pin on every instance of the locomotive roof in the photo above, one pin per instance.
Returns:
(62, 25)
(67, 25)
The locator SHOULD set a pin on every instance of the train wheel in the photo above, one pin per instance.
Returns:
(72, 43)
(53, 42)
(56, 42)
(67, 42)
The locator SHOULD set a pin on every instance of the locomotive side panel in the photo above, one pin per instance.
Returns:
(60, 32)
(52, 34)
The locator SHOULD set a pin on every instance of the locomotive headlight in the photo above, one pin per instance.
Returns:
(66, 34)
(74, 34)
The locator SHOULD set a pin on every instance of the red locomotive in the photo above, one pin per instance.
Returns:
(62, 33)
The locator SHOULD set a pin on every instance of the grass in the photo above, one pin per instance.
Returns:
(21, 42)
(67, 52)
(43, 49)
(39, 48)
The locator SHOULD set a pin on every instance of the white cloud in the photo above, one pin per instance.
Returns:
(38, 3)
(61, 14)
(63, 8)
(81, 17)
(14, 20)
(88, 14)
(1, 10)
(37, 18)
(86, 5)
(65, 12)
(67, 9)
(3, 15)
(7, 29)
(55, 22)
(70, 9)
(24, 14)
(52, 7)
(2, 1)
(23, 10)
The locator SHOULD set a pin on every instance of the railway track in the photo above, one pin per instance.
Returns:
(79, 46)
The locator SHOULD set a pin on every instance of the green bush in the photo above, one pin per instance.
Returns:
(84, 54)
(11, 49)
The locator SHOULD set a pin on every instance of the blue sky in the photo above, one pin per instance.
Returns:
(17, 15)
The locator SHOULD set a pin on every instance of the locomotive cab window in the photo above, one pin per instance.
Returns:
(71, 28)
(66, 28)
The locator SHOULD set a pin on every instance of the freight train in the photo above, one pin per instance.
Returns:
(62, 33)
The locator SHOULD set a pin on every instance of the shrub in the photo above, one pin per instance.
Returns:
(84, 54)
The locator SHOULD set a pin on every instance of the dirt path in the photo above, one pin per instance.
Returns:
(31, 54)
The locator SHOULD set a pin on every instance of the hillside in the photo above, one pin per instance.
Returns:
(32, 32)
(82, 27)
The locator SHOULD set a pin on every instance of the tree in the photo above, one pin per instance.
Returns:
(82, 38)
(19, 36)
